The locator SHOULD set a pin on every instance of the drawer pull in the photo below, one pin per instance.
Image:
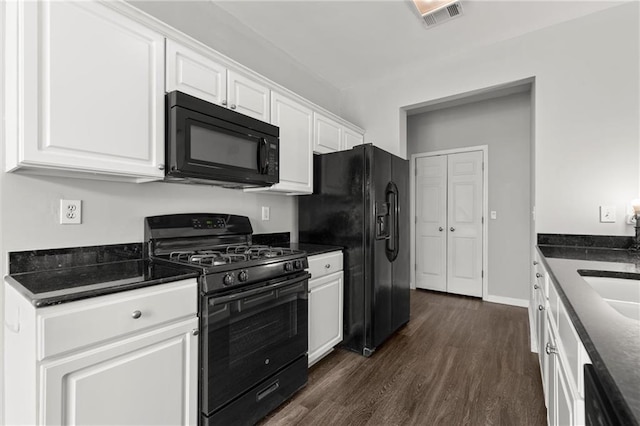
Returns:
(535, 262)
(195, 332)
(328, 265)
(136, 314)
(540, 308)
(535, 286)
(538, 275)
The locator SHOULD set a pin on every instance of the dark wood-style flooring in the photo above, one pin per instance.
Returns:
(459, 361)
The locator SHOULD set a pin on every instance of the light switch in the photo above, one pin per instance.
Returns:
(265, 212)
(494, 214)
(607, 214)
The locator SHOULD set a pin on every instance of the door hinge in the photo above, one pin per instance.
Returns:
(416, 221)
(483, 220)
(483, 166)
(415, 171)
(482, 274)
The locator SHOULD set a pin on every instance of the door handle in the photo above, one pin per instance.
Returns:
(263, 156)
(452, 229)
(441, 229)
(392, 244)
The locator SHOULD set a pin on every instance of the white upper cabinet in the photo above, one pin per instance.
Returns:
(198, 75)
(331, 136)
(247, 96)
(87, 94)
(295, 121)
(328, 134)
(195, 74)
(351, 138)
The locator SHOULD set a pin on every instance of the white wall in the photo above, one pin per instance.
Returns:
(586, 111)
(213, 26)
(504, 125)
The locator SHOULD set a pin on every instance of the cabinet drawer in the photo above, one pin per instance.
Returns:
(73, 325)
(325, 264)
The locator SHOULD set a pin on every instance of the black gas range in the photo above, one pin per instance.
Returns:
(253, 312)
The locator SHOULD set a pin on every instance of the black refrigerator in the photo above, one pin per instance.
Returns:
(361, 202)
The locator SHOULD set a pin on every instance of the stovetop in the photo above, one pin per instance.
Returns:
(231, 254)
(219, 246)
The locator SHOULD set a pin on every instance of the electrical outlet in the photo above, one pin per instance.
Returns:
(70, 212)
(265, 212)
(607, 214)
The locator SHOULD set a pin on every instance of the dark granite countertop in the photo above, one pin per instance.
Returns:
(611, 339)
(314, 249)
(282, 239)
(51, 287)
(53, 276)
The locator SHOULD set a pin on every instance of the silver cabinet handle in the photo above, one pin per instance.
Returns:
(195, 331)
(136, 314)
(441, 229)
(452, 229)
(535, 262)
(538, 275)
(328, 265)
(549, 349)
(536, 286)
(540, 308)
(233, 106)
(161, 166)
(224, 102)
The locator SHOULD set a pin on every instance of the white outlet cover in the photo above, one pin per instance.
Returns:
(265, 212)
(607, 214)
(70, 212)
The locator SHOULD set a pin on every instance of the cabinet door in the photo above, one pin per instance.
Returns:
(195, 74)
(325, 315)
(549, 375)
(296, 132)
(92, 91)
(351, 139)
(148, 379)
(247, 96)
(327, 134)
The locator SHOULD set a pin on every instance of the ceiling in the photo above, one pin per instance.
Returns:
(346, 42)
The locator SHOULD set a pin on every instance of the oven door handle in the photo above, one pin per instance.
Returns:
(246, 294)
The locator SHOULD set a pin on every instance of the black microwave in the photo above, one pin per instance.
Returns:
(207, 143)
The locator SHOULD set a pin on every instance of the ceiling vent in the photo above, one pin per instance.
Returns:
(435, 12)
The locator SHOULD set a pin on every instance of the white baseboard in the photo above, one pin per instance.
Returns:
(523, 303)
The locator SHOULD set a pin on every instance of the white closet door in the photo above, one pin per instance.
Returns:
(431, 223)
(464, 220)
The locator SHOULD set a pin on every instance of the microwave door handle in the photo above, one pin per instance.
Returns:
(263, 160)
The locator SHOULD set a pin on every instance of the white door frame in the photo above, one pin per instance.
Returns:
(485, 209)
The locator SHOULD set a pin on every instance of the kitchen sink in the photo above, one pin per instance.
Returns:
(622, 293)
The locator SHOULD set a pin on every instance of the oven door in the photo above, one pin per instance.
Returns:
(250, 335)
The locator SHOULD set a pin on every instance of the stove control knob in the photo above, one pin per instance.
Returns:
(288, 267)
(297, 264)
(228, 279)
(243, 276)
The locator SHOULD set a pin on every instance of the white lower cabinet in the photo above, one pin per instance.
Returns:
(143, 380)
(562, 356)
(124, 358)
(326, 299)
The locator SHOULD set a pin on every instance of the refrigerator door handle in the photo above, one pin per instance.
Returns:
(392, 244)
